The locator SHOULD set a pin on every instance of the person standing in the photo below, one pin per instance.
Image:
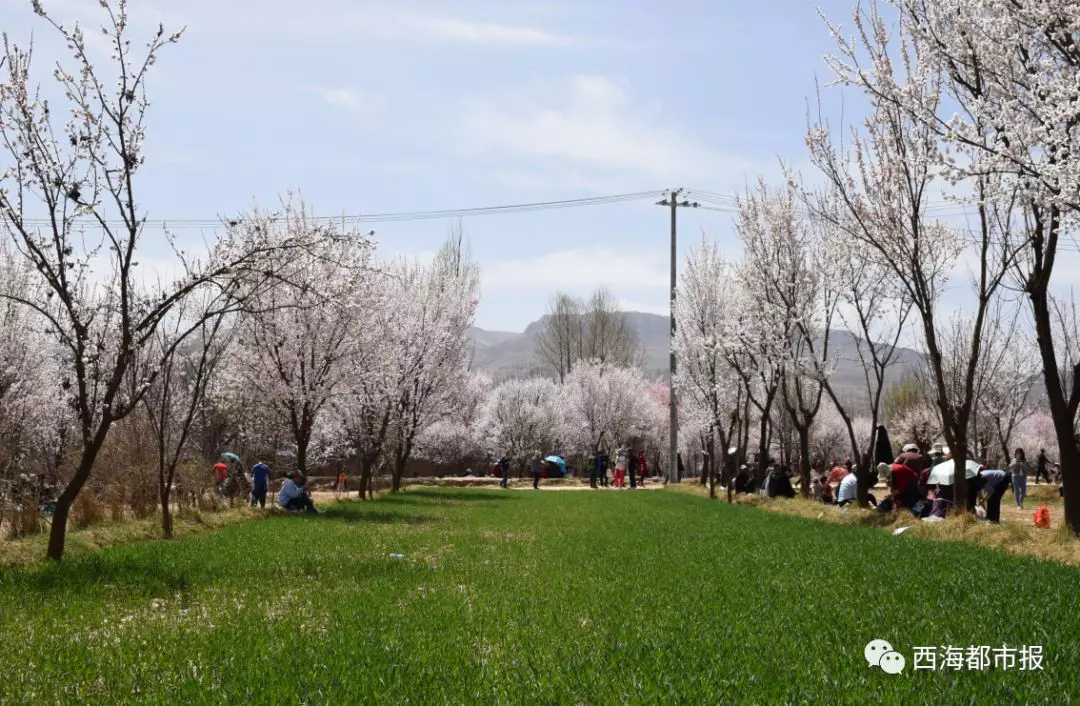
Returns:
(260, 482)
(534, 469)
(620, 467)
(1019, 469)
(221, 472)
(598, 468)
(504, 472)
(643, 467)
(1042, 466)
(341, 483)
(632, 467)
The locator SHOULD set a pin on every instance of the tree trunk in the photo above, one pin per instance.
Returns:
(365, 476)
(58, 532)
(166, 512)
(804, 461)
(1069, 456)
(1063, 402)
(763, 450)
(960, 458)
(301, 452)
(711, 461)
(398, 472)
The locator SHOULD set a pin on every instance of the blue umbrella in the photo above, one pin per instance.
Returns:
(229, 456)
(558, 460)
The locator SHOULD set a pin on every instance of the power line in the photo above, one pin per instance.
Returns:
(189, 223)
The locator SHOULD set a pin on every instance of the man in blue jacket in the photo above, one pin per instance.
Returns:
(260, 481)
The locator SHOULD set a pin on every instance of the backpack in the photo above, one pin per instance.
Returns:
(1042, 517)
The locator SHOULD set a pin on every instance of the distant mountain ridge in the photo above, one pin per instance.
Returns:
(504, 354)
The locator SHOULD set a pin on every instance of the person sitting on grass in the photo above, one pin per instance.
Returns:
(742, 479)
(836, 474)
(779, 483)
(905, 492)
(293, 497)
(848, 491)
(827, 495)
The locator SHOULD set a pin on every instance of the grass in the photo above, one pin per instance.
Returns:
(1017, 534)
(522, 597)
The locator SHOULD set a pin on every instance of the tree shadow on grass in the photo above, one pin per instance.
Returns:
(449, 495)
(353, 514)
(153, 577)
(110, 576)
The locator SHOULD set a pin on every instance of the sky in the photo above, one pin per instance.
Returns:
(365, 107)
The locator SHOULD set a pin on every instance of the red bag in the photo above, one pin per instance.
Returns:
(1042, 517)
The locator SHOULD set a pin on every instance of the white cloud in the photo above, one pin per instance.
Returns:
(351, 99)
(581, 269)
(592, 122)
(485, 33)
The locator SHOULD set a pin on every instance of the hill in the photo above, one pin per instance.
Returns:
(505, 354)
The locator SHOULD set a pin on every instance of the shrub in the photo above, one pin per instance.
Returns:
(87, 510)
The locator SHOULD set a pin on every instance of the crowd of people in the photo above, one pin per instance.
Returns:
(911, 483)
(292, 495)
(629, 466)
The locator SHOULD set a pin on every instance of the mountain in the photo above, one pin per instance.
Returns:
(504, 354)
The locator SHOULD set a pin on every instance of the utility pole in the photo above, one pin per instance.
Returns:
(672, 201)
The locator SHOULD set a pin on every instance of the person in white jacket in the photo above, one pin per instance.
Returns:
(293, 497)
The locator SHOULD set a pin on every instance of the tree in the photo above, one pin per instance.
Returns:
(873, 307)
(575, 330)
(520, 418)
(1013, 66)
(703, 315)
(787, 258)
(33, 420)
(883, 184)
(452, 439)
(429, 345)
(608, 336)
(449, 442)
(83, 176)
(560, 342)
(1007, 389)
(602, 401)
(173, 400)
(296, 338)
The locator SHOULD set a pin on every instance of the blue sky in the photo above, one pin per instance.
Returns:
(369, 107)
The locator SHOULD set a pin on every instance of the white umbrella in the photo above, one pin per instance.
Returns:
(943, 473)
